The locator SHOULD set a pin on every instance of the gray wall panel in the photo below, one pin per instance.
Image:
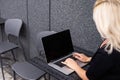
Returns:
(0, 8)
(14, 9)
(76, 15)
(17, 9)
(38, 11)
(0, 25)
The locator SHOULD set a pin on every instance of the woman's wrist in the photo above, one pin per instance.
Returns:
(77, 69)
(82, 73)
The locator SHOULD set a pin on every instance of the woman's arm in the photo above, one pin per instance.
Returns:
(73, 65)
(81, 73)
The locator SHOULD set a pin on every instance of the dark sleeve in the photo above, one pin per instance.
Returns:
(99, 65)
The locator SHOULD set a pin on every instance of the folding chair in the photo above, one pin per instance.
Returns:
(28, 71)
(12, 28)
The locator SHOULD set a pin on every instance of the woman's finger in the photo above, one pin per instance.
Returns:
(64, 62)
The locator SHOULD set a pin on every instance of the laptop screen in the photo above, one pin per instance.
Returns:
(57, 45)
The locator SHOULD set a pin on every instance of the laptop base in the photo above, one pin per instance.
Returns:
(64, 69)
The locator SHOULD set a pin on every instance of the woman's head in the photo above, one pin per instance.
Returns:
(106, 14)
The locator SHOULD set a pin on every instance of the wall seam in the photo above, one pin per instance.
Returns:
(49, 15)
(28, 28)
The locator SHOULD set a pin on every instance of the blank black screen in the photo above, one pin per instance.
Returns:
(57, 45)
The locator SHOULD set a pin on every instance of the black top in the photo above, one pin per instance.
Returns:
(104, 66)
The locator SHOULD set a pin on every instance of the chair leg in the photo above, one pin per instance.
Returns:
(14, 75)
(2, 67)
(1, 33)
(45, 77)
(48, 76)
(13, 55)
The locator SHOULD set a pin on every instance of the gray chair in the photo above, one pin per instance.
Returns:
(12, 28)
(28, 71)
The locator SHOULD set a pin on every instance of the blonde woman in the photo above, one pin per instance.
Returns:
(105, 64)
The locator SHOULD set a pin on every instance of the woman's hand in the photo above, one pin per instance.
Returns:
(82, 57)
(104, 43)
(71, 64)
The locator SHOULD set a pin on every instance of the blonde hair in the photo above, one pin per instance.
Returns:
(106, 14)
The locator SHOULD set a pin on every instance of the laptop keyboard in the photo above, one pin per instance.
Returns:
(62, 65)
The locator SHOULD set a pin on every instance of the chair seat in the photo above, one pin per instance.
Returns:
(27, 70)
(6, 46)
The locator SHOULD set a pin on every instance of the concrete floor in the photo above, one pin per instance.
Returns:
(7, 76)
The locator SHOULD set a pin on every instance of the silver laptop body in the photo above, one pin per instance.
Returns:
(58, 47)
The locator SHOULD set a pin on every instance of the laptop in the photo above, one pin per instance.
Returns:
(59, 47)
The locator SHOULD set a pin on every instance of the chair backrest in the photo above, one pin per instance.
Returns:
(13, 27)
(39, 44)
